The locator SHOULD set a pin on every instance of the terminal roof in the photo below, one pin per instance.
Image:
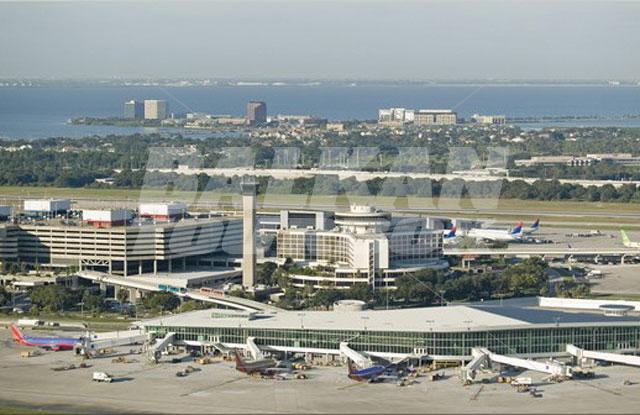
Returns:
(443, 319)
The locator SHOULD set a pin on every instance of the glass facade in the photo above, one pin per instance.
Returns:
(521, 341)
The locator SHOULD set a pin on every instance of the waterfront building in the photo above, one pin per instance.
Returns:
(435, 117)
(155, 109)
(256, 112)
(134, 110)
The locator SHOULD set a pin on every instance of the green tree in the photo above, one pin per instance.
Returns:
(326, 297)
(161, 301)
(122, 296)
(265, 273)
(53, 298)
(4, 296)
(92, 302)
(191, 305)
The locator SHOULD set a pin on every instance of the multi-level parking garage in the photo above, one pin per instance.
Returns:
(121, 250)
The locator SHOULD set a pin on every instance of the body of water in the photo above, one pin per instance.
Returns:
(42, 112)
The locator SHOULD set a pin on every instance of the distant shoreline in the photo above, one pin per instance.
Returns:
(218, 83)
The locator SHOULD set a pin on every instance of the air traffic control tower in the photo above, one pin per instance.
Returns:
(249, 191)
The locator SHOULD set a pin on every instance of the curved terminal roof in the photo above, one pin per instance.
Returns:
(442, 319)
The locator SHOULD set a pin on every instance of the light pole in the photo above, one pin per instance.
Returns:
(442, 297)
(364, 322)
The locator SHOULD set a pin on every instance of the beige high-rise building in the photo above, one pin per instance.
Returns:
(435, 117)
(249, 191)
(155, 109)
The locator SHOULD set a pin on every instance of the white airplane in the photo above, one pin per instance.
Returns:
(627, 242)
(514, 234)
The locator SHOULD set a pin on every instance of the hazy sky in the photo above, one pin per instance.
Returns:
(321, 39)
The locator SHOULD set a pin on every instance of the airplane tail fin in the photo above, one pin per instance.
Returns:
(625, 238)
(536, 224)
(351, 365)
(452, 232)
(16, 333)
(239, 362)
(517, 230)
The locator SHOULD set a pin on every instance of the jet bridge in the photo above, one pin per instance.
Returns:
(156, 349)
(482, 356)
(582, 355)
(113, 339)
(253, 349)
(358, 358)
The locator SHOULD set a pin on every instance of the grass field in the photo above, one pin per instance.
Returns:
(22, 411)
(20, 192)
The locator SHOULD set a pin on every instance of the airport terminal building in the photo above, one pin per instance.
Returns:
(362, 245)
(438, 333)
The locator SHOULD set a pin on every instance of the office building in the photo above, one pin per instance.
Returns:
(134, 110)
(362, 245)
(489, 119)
(256, 112)
(435, 117)
(155, 109)
(395, 116)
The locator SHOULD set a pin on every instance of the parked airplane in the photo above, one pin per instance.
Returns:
(47, 343)
(262, 367)
(449, 233)
(627, 242)
(373, 373)
(514, 234)
(533, 228)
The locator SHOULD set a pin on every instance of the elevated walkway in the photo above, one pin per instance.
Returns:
(114, 339)
(155, 350)
(482, 356)
(253, 349)
(582, 356)
(358, 358)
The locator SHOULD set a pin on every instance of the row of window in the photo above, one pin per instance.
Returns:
(515, 341)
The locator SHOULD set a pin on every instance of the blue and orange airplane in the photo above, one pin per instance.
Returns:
(373, 373)
(48, 343)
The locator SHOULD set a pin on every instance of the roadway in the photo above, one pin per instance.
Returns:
(227, 301)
